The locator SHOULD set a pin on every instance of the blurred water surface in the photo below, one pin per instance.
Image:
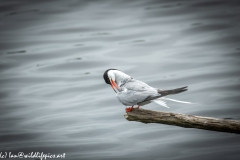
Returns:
(53, 98)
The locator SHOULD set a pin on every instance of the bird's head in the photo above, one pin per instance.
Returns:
(109, 77)
(114, 78)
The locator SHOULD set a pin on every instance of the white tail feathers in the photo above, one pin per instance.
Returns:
(174, 100)
(161, 101)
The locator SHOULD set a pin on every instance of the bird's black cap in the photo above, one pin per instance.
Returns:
(105, 75)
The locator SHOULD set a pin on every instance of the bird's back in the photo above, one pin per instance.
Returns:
(136, 85)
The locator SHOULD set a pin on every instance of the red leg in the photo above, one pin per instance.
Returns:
(129, 109)
(138, 107)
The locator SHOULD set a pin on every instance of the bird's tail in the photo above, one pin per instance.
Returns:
(172, 91)
(161, 101)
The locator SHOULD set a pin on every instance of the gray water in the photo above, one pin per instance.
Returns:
(53, 98)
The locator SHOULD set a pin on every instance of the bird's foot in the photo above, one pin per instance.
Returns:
(138, 107)
(129, 109)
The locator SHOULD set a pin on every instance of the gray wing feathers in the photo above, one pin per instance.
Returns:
(172, 91)
(129, 97)
(136, 85)
(135, 91)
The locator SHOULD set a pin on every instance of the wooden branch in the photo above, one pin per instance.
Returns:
(182, 120)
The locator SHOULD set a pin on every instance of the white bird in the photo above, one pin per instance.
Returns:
(130, 91)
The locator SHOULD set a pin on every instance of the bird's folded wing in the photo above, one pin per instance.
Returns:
(136, 85)
(130, 97)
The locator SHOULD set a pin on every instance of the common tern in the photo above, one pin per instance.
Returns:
(130, 91)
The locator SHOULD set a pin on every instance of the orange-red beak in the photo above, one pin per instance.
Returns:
(114, 85)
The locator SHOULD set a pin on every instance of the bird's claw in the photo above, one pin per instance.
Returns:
(129, 109)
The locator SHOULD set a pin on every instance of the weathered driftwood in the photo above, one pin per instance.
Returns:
(182, 120)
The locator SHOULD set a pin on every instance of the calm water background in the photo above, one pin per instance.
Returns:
(53, 54)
